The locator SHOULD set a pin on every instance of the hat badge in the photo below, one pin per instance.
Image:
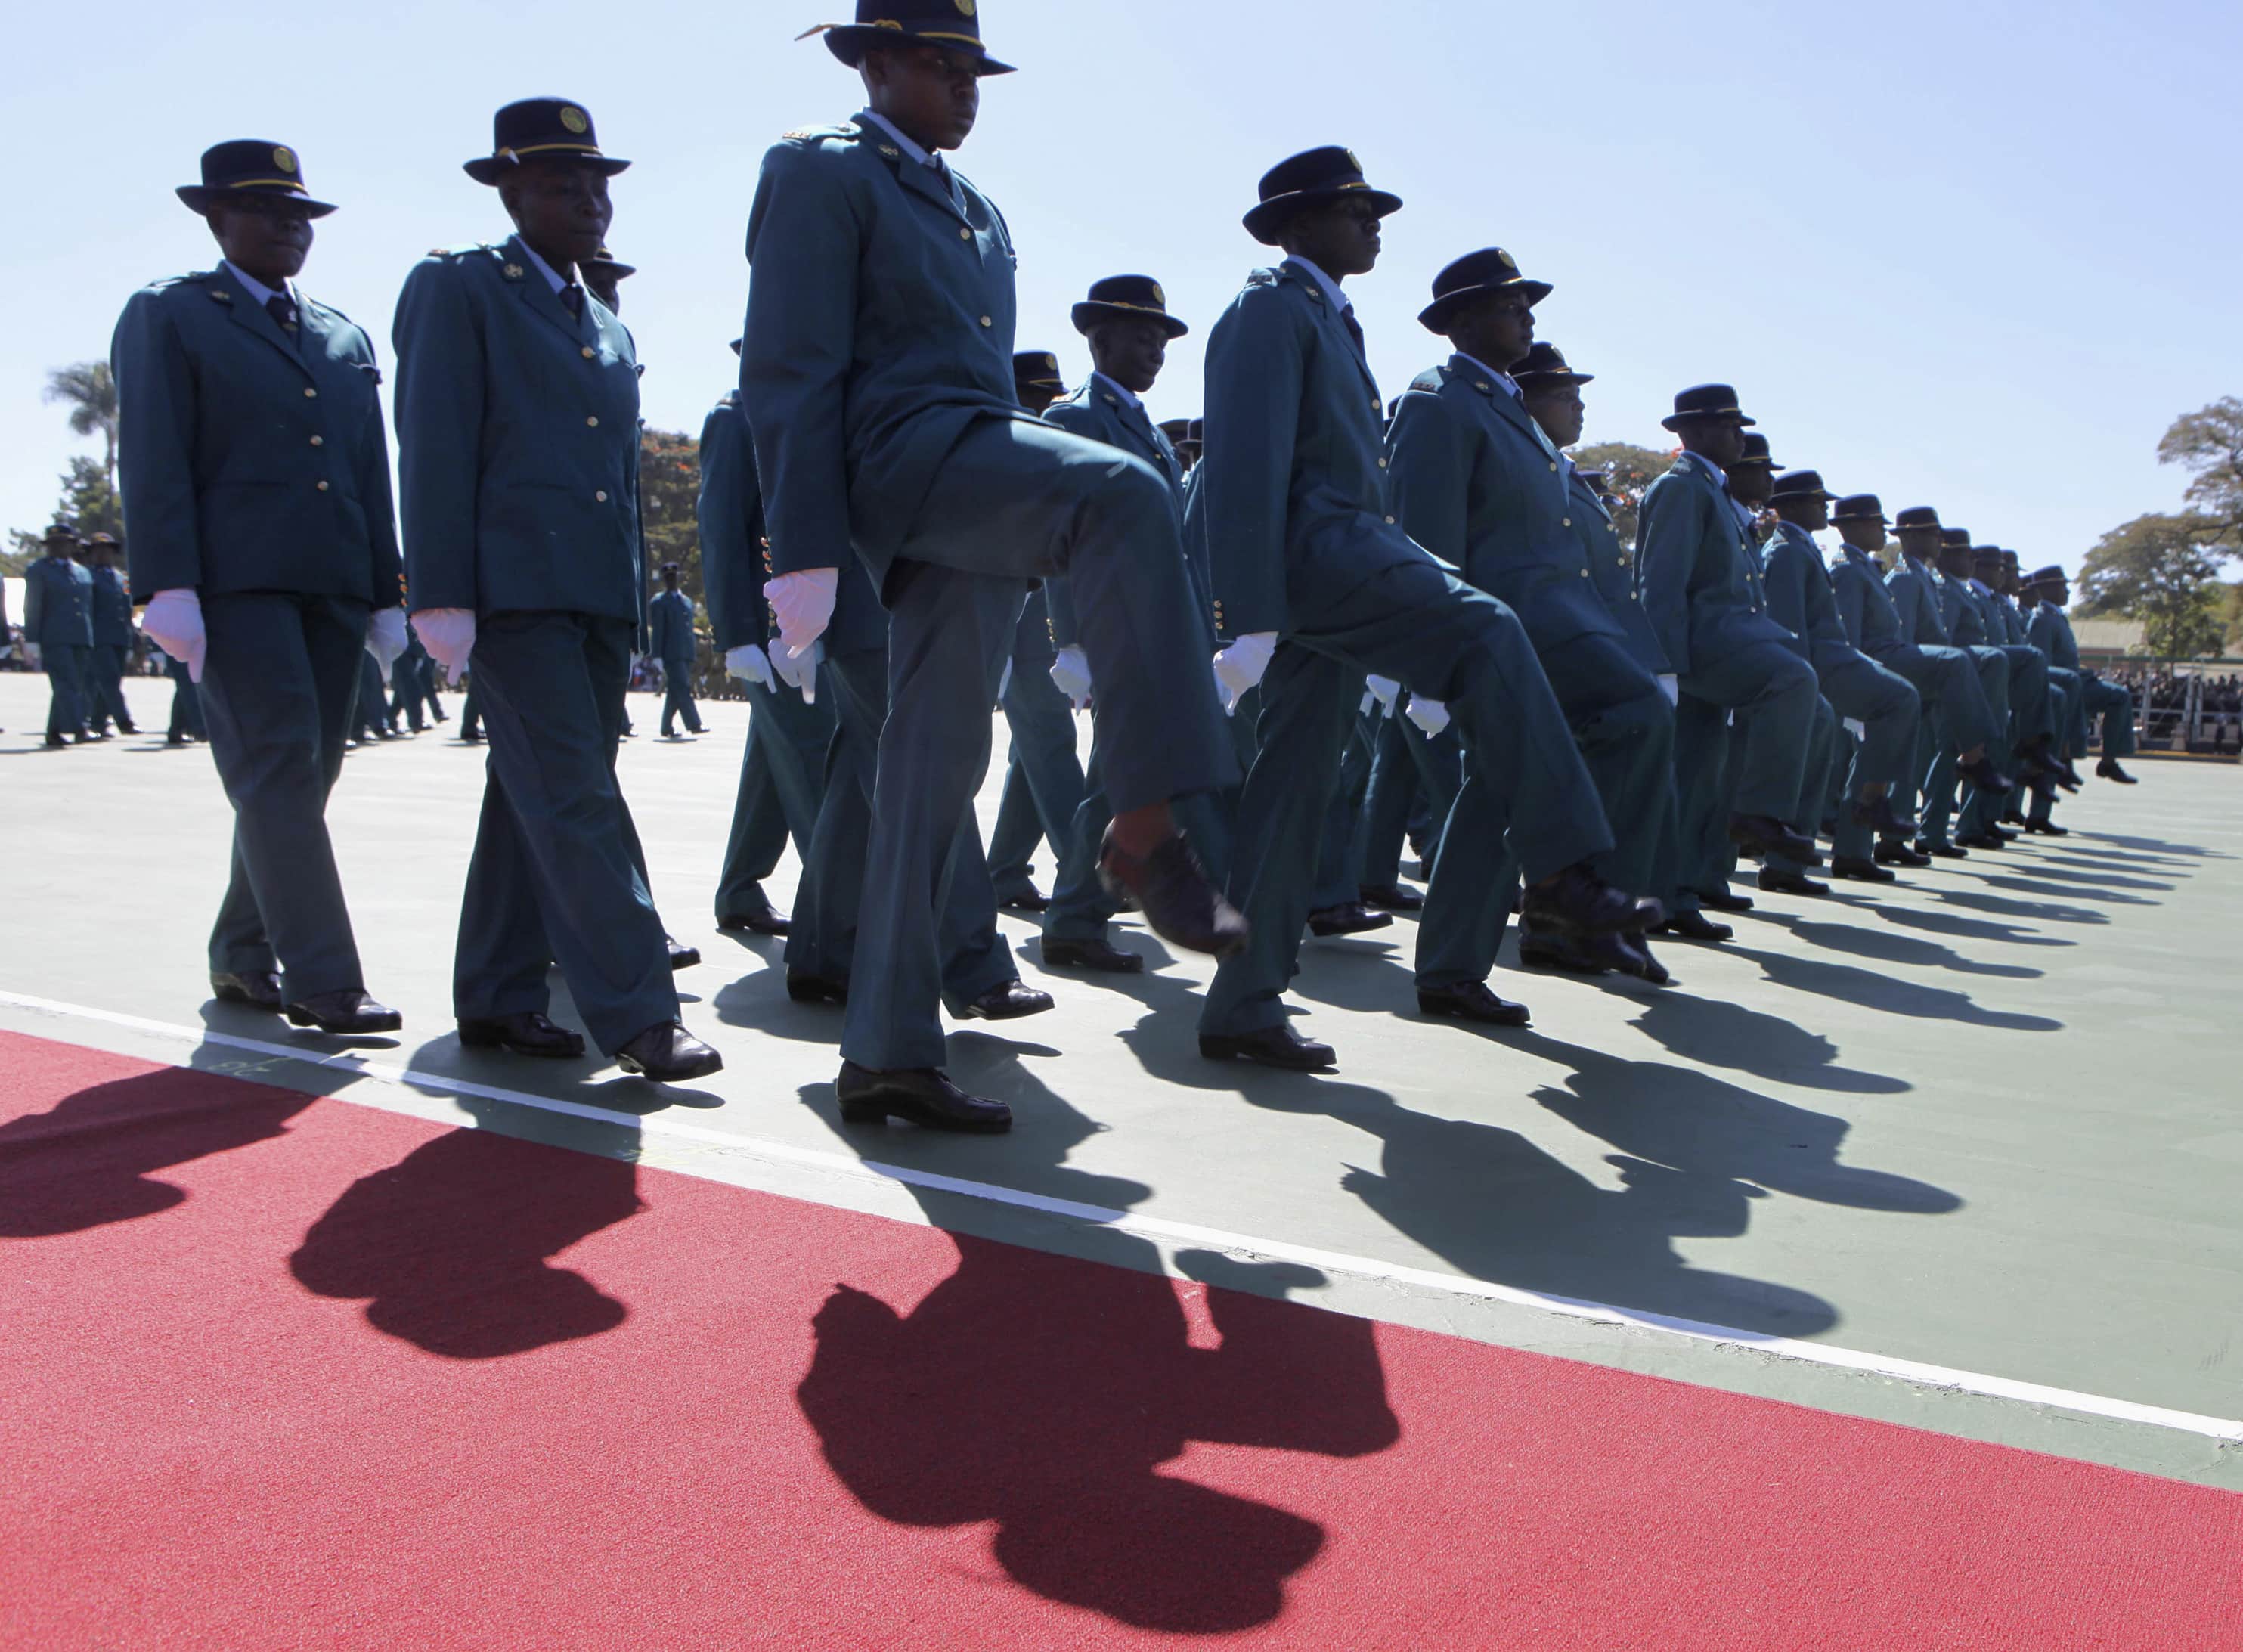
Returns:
(284, 159)
(1159, 297)
(573, 119)
(965, 8)
(1353, 162)
(1504, 259)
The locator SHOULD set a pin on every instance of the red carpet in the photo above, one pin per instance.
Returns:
(284, 1372)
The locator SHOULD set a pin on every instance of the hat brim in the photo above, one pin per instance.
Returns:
(1777, 498)
(200, 197)
(1435, 316)
(1550, 381)
(1733, 415)
(1088, 314)
(620, 271)
(849, 41)
(489, 169)
(1040, 384)
(1837, 516)
(1264, 222)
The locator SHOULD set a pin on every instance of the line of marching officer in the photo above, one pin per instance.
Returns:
(882, 494)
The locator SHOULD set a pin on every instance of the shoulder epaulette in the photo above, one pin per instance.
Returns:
(1430, 382)
(730, 399)
(846, 129)
(1262, 278)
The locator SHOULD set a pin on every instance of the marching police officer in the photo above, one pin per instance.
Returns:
(1962, 719)
(517, 426)
(112, 638)
(674, 646)
(58, 622)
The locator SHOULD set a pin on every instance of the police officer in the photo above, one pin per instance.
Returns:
(2051, 633)
(674, 646)
(1319, 584)
(605, 273)
(112, 637)
(517, 425)
(885, 422)
(263, 541)
(58, 622)
(1963, 727)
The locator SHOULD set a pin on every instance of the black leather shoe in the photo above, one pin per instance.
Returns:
(1179, 901)
(806, 988)
(1271, 1047)
(1471, 1001)
(2047, 829)
(528, 1033)
(1578, 902)
(669, 1055)
(1696, 925)
(1725, 899)
(1354, 919)
(1633, 957)
(1860, 871)
(681, 956)
(1892, 851)
(1101, 955)
(1777, 882)
(1538, 951)
(1760, 836)
(1028, 900)
(259, 989)
(1879, 815)
(762, 923)
(55, 742)
(1971, 841)
(2005, 836)
(1983, 775)
(1943, 850)
(2108, 769)
(922, 1097)
(347, 1013)
(1008, 1000)
(1392, 897)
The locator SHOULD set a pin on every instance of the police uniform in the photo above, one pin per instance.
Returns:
(877, 375)
(58, 622)
(256, 498)
(1951, 683)
(517, 425)
(112, 645)
(671, 623)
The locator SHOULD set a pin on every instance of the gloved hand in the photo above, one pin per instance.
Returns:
(1070, 671)
(1854, 726)
(385, 639)
(1429, 715)
(750, 665)
(803, 601)
(1384, 690)
(174, 618)
(1671, 686)
(448, 634)
(800, 670)
(1240, 666)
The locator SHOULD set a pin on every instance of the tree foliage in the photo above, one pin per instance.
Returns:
(2209, 444)
(1629, 471)
(90, 392)
(2163, 570)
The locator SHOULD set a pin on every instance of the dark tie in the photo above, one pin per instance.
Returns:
(282, 309)
(572, 297)
(949, 184)
(1354, 329)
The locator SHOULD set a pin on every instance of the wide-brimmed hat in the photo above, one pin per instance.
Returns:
(1954, 539)
(604, 260)
(1756, 453)
(1546, 367)
(251, 166)
(955, 25)
(1706, 402)
(1176, 429)
(1475, 275)
(1038, 368)
(1859, 507)
(1127, 298)
(1801, 484)
(1986, 553)
(2052, 575)
(104, 542)
(1311, 178)
(61, 530)
(1917, 519)
(542, 129)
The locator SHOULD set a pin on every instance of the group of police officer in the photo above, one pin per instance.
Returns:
(1415, 614)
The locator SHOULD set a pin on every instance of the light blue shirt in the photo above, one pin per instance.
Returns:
(1128, 397)
(545, 269)
(1340, 300)
(911, 150)
(1502, 382)
(258, 290)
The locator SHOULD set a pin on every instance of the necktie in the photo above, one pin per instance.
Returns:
(572, 297)
(283, 310)
(1354, 328)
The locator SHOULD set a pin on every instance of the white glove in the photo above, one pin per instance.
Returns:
(750, 665)
(1671, 686)
(1854, 726)
(1070, 671)
(1240, 666)
(1429, 715)
(803, 601)
(174, 618)
(448, 634)
(385, 639)
(1384, 690)
(800, 670)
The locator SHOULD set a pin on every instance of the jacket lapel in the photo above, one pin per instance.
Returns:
(919, 180)
(536, 292)
(1328, 318)
(249, 314)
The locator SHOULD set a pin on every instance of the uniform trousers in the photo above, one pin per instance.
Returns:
(1341, 852)
(1823, 754)
(1396, 796)
(1043, 775)
(1943, 772)
(1744, 722)
(782, 782)
(555, 876)
(678, 696)
(68, 705)
(1439, 637)
(1889, 709)
(105, 687)
(1013, 503)
(186, 704)
(280, 682)
(2113, 704)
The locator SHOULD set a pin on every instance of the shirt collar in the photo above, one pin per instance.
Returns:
(914, 152)
(1720, 476)
(257, 289)
(1339, 300)
(544, 269)
(1120, 392)
(1794, 531)
(1502, 382)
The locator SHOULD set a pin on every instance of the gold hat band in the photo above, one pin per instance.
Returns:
(540, 149)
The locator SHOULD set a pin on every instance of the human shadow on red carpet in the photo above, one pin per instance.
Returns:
(91, 1159)
(451, 1246)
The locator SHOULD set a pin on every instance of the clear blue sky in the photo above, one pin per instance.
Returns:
(1971, 255)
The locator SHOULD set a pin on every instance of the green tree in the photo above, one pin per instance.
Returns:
(669, 490)
(1629, 471)
(89, 390)
(89, 499)
(2163, 570)
(2230, 615)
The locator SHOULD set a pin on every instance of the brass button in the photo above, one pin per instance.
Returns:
(985, 321)
(1382, 464)
(323, 487)
(590, 353)
(310, 394)
(965, 235)
(1554, 464)
(1390, 521)
(1585, 573)
(593, 421)
(1565, 521)
(601, 497)
(319, 442)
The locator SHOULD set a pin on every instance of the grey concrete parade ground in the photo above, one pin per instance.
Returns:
(1988, 1120)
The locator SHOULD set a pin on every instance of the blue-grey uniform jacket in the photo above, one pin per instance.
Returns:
(2051, 632)
(1612, 571)
(250, 460)
(1960, 613)
(1865, 603)
(1699, 581)
(58, 604)
(879, 329)
(729, 516)
(517, 432)
(1916, 599)
(112, 610)
(1476, 482)
(1800, 596)
(670, 618)
(1295, 495)
(1095, 412)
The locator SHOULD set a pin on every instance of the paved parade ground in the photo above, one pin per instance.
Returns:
(1925, 1201)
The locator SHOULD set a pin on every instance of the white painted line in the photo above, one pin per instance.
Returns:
(1155, 1228)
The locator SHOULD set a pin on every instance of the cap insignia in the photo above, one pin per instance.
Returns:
(573, 119)
(284, 159)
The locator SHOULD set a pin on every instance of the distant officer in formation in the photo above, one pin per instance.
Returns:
(113, 638)
(263, 542)
(59, 622)
(671, 624)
